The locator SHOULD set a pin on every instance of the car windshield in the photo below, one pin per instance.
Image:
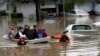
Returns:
(80, 12)
(81, 27)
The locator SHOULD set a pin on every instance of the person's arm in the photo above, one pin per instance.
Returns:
(20, 34)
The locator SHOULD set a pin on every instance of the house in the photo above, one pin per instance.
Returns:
(27, 7)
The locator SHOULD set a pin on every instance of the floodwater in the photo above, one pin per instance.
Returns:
(81, 47)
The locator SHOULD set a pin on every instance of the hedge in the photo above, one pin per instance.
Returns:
(16, 15)
(3, 13)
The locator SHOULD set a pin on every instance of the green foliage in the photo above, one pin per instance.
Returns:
(68, 6)
(98, 1)
(16, 15)
(43, 15)
(79, 1)
(3, 13)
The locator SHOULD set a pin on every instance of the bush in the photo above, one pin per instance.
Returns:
(43, 15)
(3, 13)
(16, 15)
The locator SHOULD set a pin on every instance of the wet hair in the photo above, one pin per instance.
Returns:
(52, 37)
(34, 26)
(26, 26)
(64, 38)
(19, 28)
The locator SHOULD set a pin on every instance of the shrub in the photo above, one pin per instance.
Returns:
(3, 13)
(16, 15)
(43, 15)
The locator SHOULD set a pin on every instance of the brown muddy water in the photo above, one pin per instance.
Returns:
(83, 47)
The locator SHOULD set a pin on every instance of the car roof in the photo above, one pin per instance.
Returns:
(71, 25)
(78, 24)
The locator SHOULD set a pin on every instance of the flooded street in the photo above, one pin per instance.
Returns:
(80, 47)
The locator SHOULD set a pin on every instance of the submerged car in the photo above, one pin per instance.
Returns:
(96, 25)
(78, 12)
(76, 30)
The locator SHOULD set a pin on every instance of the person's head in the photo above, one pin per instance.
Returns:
(34, 26)
(64, 36)
(20, 28)
(25, 26)
(22, 39)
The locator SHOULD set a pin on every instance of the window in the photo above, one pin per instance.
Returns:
(72, 12)
(81, 27)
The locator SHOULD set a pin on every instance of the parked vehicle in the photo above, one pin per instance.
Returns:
(97, 12)
(76, 30)
(78, 12)
(96, 25)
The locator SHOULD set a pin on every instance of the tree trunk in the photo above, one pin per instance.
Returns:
(37, 4)
(93, 5)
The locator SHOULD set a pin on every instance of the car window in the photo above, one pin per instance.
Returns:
(81, 27)
(80, 12)
(72, 12)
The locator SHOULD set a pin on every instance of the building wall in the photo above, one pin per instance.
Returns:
(26, 8)
(29, 8)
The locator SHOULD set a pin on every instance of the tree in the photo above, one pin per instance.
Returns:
(98, 1)
(79, 1)
(69, 4)
(37, 4)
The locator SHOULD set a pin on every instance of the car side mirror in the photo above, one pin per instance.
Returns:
(64, 32)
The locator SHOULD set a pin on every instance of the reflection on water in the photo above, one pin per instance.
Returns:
(89, 47)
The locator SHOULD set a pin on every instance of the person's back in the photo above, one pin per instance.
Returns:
(41, 33)
(17, 35)
(21, 41)
(10, 33)
(26, 29)
(31, 34)
(64, 38)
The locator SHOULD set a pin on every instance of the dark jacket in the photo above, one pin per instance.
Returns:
(32, 34)
(26, 32)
